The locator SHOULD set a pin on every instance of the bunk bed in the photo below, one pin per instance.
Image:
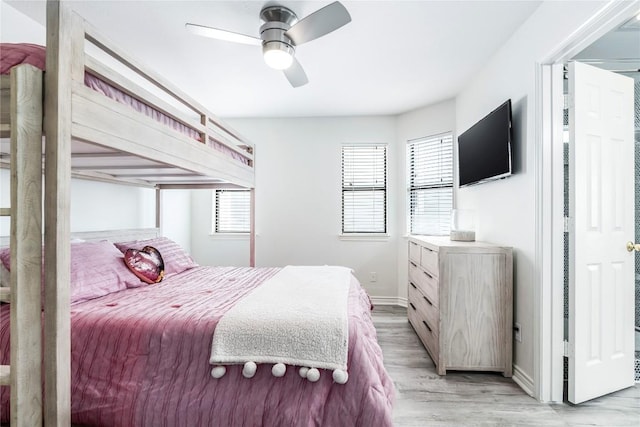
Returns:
(148, 140)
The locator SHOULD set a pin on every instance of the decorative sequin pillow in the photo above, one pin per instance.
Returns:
(146, 264)
(176, 259)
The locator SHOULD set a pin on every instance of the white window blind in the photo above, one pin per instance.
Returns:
(364, 189)
(232, 211)
(430, 186)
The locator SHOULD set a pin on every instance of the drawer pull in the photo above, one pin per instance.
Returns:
(412, 306)
(412, 285)
(427, 325)
(427, 300)
(428, 275)
(414, 265)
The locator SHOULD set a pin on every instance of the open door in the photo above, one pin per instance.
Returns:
(601, 199)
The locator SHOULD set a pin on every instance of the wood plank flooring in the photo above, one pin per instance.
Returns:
(478, 399)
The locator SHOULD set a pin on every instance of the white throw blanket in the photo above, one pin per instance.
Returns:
(297, 317)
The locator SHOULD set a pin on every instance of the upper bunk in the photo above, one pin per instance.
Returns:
(127, 123)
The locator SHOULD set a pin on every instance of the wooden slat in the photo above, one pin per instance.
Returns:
(226, 142)
(5, 374)
(26, 246)
(5, 294)
(5, 129)
(101, 177)
(5, 212)
(118, 235)
(252, 229)
(5, 99)
(217, 123)
(108, 47)
(101, 42)
(204, 186)
(106, 122)
(65, 52)
(137, 92)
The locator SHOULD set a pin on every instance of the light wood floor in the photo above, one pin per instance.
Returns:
(478, 399)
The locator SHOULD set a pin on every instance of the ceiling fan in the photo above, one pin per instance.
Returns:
(281, 33)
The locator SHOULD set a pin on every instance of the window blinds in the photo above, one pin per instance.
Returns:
(364, 189)
(430, 176)
(232, 210)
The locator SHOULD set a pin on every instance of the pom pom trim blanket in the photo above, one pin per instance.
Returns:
(297, 317)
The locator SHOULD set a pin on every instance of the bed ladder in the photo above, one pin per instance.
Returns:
(5, 295)
(24, 374)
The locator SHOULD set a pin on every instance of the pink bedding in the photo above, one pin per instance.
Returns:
(140, 358)
(12, 54)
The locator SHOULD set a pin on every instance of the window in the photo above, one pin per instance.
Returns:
(430, 186)
(364, 189)
(232, 211)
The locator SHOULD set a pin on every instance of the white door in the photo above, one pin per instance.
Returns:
(601, 203)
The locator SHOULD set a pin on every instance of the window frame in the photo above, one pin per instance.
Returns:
(412, 225)
(215, 231)
(364, 233)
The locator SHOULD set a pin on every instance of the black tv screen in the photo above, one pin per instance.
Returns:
(484, 150)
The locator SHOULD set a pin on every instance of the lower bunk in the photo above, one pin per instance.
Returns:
(141, 353)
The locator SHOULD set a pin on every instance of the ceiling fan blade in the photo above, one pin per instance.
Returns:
(296, 75)
(321, 22)
(216, 33)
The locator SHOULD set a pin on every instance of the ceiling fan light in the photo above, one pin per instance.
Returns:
(278, 55)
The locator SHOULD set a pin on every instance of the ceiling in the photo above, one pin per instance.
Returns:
(393, 57)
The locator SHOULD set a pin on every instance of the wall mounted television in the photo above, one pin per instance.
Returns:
(484, 150)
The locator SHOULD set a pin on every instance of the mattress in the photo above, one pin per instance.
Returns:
(12, 54)
(140, 357)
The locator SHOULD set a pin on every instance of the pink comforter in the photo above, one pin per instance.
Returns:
(140, 358)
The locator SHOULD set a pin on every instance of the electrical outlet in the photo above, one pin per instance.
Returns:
(517, 332)
(373, 276)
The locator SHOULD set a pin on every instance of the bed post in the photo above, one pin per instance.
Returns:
(65, 50)
(26, 246)
(252, 228)
(158, 208)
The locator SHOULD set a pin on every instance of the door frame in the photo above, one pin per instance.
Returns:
(549, 179)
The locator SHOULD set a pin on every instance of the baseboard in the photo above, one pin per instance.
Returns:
(523, 380)
(402, 302)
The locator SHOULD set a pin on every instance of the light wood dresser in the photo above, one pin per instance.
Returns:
(461, 303)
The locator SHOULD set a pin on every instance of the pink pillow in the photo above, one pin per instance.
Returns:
(97, 269)
(176, 259)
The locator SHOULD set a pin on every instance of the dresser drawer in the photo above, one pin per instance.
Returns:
(426, 334)
(426, 282)
(429, 260)
(414, 252)
(424, 308)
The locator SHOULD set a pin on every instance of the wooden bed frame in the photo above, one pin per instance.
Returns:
(87, 136)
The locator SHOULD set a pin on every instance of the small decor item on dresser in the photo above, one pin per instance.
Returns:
(146, 264)
(463, 226)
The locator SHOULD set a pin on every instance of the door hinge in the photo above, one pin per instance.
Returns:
(565, 348)
(567, 224)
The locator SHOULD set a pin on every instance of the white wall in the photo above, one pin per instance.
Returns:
(175, 216)
(506, 209)
(298, 200)
(426, 121)
(15, 27)
(97, 206)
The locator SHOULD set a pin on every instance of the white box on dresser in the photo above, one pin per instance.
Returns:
(461, 303)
